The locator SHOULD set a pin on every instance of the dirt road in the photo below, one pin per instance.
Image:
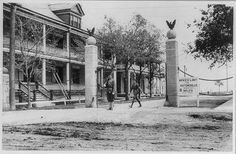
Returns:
(152, 127)
(207, 132)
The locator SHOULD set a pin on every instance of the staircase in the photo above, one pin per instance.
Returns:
(40, 97)
(37, 92)
(23, 97)
(22, 92)
(41, 93)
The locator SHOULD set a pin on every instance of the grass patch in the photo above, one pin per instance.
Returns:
(209, 102)
(212, 116)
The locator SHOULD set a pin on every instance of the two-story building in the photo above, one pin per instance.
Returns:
(62, 46)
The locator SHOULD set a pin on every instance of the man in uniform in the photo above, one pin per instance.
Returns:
(136, 90)
(110, 92)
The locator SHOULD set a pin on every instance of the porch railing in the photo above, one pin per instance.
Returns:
(51, 51)
(23, 92)
(59, 82)
(38, 88)
(45, 92)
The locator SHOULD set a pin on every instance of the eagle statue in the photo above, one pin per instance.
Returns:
(91, 32)
(171, 25)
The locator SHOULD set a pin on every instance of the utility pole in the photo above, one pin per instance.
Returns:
(1, 59)
(166, 83)
(227, 77)
(70, 64)
(12, 58)
(159, 77)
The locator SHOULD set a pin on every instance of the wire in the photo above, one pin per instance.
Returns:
(205, 79)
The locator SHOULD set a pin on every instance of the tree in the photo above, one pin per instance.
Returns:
(134, 43)
(154, 55)
(29, 40)
(219, 83)
(214, 40)
(149, 50)
(124, 42)
(150, 56)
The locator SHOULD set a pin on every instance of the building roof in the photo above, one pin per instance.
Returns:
(67, 6)
(43, 11)
(41, 8)
(47, 9)
(61, 6)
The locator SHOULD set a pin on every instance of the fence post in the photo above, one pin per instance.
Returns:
(36, 85)
(51, 95)
(20, 97)
(198, 90)
(34, 95)
(19, 85)
(19, 92)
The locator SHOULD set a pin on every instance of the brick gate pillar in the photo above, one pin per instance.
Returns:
(172, 98)
(91, 63)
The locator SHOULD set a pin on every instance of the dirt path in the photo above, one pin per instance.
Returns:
(152, 112)
(207, 132)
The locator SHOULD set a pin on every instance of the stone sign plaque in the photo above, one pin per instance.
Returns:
(188, 86)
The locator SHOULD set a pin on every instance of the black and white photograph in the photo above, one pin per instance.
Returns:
(117, 76)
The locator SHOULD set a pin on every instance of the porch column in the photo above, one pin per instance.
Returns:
(101, 77)
(129, 81)
(68, 76)
(115, 77)
(101, 81)
(44, 60)
(115, 81)
(68, 63)
(102, 69)
(101, 73)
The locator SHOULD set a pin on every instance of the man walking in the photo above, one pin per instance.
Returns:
(136, 90)
(110, 92)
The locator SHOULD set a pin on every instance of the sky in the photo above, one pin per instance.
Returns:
(157, 12)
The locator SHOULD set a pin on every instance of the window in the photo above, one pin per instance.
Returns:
(75, 21)
(79, 23)
(71, 20)
(75, 76)
(6, 23)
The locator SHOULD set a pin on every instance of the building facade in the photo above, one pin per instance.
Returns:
(61, 47)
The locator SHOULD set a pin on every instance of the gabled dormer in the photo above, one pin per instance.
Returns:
(70, 13)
